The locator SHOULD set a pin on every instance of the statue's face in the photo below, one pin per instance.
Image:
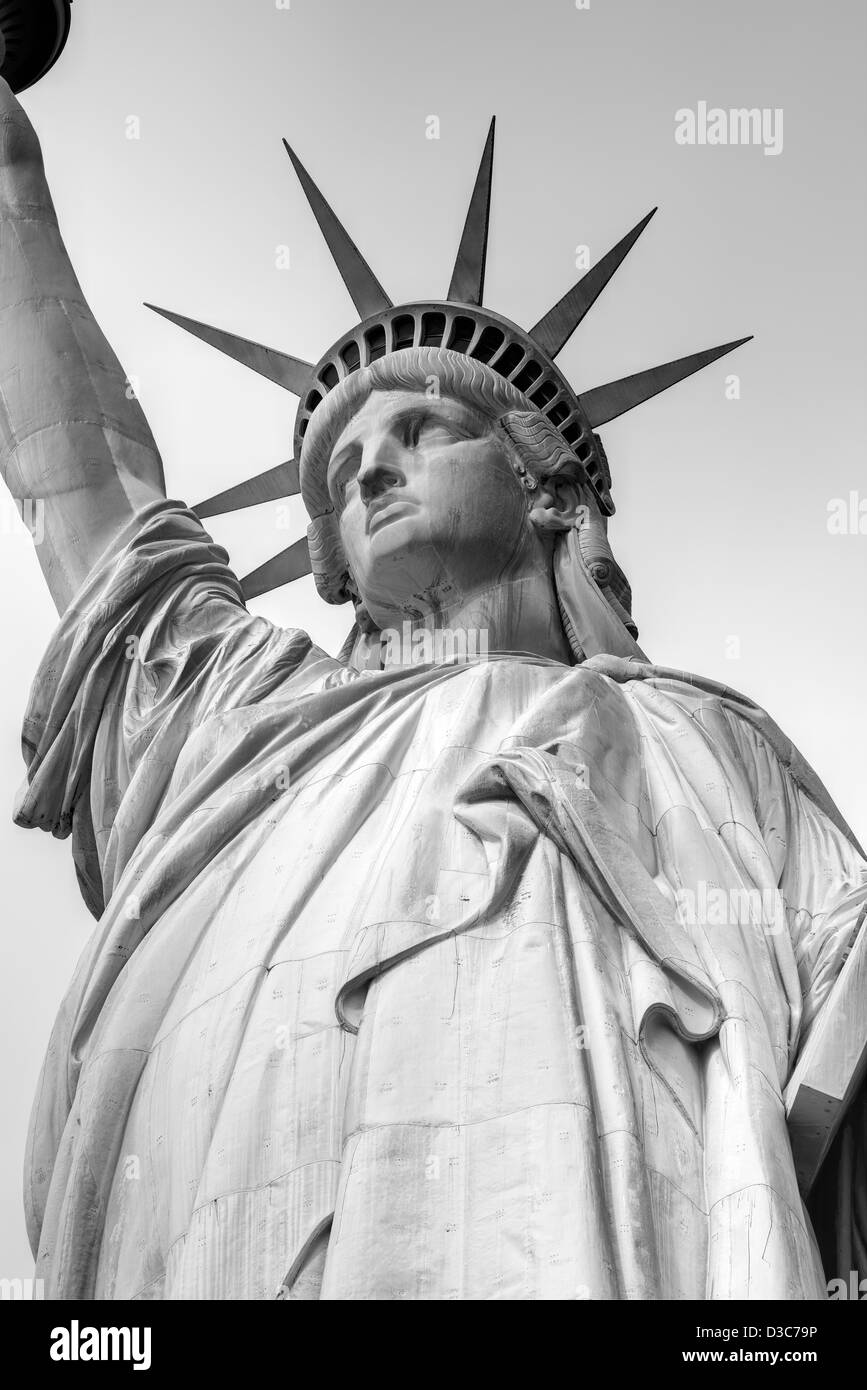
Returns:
(429, 507)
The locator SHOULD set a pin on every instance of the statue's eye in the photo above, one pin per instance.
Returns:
(412, 430)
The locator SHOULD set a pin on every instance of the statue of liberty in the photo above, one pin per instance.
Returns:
(409, 978)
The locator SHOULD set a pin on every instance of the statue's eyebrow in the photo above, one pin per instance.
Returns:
(457, 415)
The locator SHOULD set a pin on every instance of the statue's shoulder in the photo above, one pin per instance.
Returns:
(700, 693)
(684, 687)
(698, 696)
(631, 668)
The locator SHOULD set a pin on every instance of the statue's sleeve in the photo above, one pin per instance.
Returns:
(821, 869)
(156, 642)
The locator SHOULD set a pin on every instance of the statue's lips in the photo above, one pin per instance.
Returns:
(389, 511)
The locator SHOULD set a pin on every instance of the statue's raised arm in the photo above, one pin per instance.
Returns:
(73, 443)
(154, 634)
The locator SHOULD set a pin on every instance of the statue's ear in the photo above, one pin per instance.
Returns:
(590, 622)
(556, 505)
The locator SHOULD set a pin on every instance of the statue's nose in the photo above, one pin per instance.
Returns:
(380, 467)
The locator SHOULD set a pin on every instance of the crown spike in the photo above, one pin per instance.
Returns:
(605, 403)
(292, 563)
(274, 483)
(556, 328)
(468, 277)
(289, 372)
(367, 293)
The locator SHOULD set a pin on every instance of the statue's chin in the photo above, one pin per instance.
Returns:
(411, 571)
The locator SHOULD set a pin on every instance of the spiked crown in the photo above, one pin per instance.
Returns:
(460, 323)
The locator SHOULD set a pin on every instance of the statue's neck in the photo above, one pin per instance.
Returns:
(517, 615)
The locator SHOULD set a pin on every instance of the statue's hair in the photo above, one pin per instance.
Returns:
(537, 447)
(533, 444)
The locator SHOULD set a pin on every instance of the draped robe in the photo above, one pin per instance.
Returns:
(389, 996)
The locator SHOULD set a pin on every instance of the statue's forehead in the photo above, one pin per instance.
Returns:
(384, 404)
(384, 400)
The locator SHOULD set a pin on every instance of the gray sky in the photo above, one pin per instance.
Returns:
(722, 504)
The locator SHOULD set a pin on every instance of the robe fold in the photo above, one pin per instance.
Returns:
(396, 990)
